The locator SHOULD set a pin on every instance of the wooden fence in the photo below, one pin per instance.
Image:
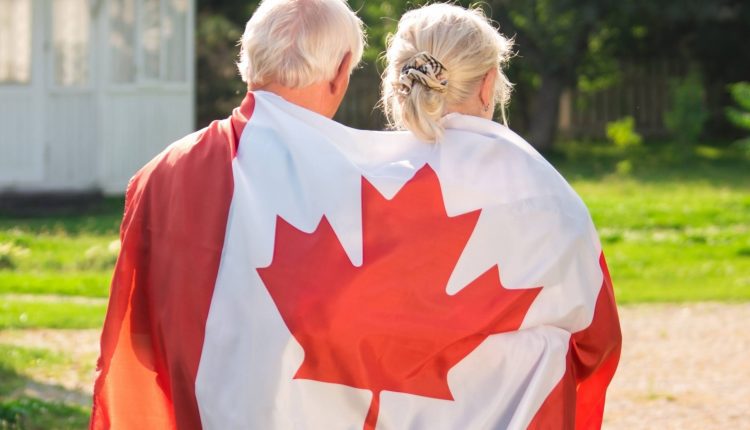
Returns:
(642, 91)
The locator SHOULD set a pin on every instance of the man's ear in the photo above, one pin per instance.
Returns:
(488, 87)
(340, 81)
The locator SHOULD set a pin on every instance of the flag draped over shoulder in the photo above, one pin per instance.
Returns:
(280, 270)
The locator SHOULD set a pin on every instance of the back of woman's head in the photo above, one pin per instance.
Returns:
(437, 59)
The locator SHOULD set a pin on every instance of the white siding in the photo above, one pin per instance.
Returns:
(92, 132)
(70, 142)
(135, 127)
(20, 138)
(22, 115)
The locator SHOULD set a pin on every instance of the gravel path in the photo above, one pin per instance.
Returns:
(682, 367)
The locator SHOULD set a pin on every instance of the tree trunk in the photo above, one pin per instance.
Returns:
(545, 106)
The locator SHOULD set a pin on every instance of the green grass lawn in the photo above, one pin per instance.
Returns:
(54, 273)
(674, 223)
(18, 368)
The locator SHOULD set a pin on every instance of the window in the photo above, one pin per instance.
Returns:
(71, 24)
(151, 39)
(175, 39)
(15, 41)
(122, 40)
(151, 48)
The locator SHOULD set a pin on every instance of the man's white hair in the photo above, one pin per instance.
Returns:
(297, 43)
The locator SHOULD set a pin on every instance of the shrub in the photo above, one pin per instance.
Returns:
(622, 133)
(9, 254)
(740, 115)
(99, 257)
(219, 88)
(688, 114)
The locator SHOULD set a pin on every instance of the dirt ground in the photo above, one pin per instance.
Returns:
(682, 367)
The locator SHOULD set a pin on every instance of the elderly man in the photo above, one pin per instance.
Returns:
(176, 217)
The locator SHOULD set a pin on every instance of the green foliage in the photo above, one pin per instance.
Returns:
(9, 253)
(740, 92)
(577, 42)
(622, 133)
(624, 167)
(100, 257)
(687, 114)
(219, 88)
(624, 137)
(380, 19)
(740, 116)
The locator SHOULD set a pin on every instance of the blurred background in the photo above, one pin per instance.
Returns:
(643, 106)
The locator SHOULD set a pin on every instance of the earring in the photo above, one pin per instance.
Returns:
(487, 107)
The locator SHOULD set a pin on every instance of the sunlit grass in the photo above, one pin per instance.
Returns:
(49, 312)
(22, 367)
(74, 283)
(673, 230)
(28, 413)
(65, 255)
(29, 362)
(675, 226)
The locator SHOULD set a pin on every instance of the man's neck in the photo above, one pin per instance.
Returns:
(315, 97)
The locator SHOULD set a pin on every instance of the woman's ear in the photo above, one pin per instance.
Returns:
(487, 90)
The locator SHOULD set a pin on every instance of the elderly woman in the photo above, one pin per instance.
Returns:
(443, 82)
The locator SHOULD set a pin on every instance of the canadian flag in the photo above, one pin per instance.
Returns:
(282, 271)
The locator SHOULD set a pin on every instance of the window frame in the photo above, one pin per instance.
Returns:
(141, 80)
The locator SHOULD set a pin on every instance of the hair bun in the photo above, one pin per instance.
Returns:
(424, 69)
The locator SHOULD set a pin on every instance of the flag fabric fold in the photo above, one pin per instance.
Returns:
(280, 270)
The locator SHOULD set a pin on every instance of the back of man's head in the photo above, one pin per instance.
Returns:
(296, 43)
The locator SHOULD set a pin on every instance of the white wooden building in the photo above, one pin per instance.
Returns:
(91, 89)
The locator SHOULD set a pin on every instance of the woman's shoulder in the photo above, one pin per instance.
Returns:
(510, 171)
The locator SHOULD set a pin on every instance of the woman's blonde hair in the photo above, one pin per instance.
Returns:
(464, 42)
(297, 43)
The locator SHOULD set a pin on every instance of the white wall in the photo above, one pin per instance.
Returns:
(21, 103)
(137, 125)
(92, 136)
(70, 141)
(21, 146)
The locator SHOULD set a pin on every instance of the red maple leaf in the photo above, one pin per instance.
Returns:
(389, 324)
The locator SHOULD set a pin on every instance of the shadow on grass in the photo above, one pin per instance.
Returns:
(654, 162)
(26, 404)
